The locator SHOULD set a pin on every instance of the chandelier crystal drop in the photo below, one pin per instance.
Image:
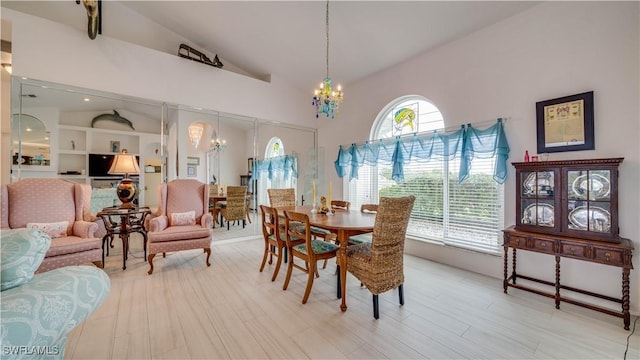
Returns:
(327, 100)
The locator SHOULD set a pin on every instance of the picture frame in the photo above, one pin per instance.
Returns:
(192, 171)
(114, 146)
(565, 123)
(250, 165)
(193, 160)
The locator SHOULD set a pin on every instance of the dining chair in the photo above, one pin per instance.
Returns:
(340, 204)
(236, 209)
(282, 197)
(366, 237)
(379, 264)
(311, 251)
(275, 241)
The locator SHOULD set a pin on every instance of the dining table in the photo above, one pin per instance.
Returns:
(344, 224)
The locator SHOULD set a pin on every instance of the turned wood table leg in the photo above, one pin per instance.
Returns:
(625, 298)
(505, 283)
(513, 270)
(557, 297)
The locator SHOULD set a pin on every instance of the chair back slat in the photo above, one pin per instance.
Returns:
(340, 204)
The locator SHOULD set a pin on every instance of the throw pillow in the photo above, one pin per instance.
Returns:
(55, 230)
(21, 252)
(185, 218)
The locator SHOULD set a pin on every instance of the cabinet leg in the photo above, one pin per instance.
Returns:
(505, 283)
(557, 297)
(625, 298)
(513, 272)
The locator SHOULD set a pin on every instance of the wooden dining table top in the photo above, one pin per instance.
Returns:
(341, 219)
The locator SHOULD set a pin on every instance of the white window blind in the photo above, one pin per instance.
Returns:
(467, 214)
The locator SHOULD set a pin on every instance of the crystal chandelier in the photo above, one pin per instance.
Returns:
(195, 133)
(218, 145)
(326, 99)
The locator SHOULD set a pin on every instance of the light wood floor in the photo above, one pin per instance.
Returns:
(231, 310)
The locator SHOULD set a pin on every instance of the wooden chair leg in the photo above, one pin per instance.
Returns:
(151, 256)
(401, 294)
(278, 263)
(264, 257)
(312, 273)
(376, 312)
(208, 251)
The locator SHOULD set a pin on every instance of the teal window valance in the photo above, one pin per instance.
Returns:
(466, 143)
(288, 164)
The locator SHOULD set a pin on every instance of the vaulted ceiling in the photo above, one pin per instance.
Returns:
(287, 38)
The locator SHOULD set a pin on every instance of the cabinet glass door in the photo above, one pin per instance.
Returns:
(537, 200)
(589, 200)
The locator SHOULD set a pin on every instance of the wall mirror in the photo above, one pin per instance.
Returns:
(85, 124)
(34, 147)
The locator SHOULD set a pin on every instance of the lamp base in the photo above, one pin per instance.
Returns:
(126, 193)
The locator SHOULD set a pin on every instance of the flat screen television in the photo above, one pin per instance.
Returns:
(99, 165)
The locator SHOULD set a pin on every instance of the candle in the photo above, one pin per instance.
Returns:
(313, 192)
(329, 201)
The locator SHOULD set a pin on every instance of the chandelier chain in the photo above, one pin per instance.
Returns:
(327, 27)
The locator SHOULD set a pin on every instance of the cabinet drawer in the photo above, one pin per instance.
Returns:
(575, 250)
(518, 242)
(543, 245)
(605, 256)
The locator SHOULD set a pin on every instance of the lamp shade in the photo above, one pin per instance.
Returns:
(124, 164)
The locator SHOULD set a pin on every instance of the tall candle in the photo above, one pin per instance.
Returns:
(329, 204)
(313, 192)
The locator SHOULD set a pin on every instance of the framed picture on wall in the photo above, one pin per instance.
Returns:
(193, 160)
(192, 171)
(114, 146)
(566, 123)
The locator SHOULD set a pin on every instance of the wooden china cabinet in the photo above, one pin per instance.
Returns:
(569, 209)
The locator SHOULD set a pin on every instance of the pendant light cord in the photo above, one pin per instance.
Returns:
(327, 23)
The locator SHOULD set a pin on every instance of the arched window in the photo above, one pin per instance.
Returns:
(467, 214)
(280, 179)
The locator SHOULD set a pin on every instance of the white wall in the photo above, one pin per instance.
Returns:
(549, 51)
(50, 51)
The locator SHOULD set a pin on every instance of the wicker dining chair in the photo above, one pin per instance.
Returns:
(282, 197)
(379, 264)
(366, 237)
(275, 241)
(311, 251)
(236, 209)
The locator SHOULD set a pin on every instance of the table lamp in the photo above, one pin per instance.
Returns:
(125, 164)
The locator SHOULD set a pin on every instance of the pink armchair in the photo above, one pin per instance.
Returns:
(176, 227)
(50, 201)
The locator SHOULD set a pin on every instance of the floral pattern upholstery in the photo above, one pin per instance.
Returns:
(22, 251)
(42, 312)
(318, 247)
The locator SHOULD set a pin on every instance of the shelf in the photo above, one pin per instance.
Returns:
(72, 152)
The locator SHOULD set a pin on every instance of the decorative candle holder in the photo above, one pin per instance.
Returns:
(313, 208)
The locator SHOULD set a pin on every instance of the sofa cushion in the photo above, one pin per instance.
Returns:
(72, 244)
(179, 233)
(21, 252)
(54, 230)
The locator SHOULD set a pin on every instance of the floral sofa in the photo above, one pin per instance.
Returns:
(38, 312)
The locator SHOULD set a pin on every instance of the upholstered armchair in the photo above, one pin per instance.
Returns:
(183, 220)
(61, 209)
